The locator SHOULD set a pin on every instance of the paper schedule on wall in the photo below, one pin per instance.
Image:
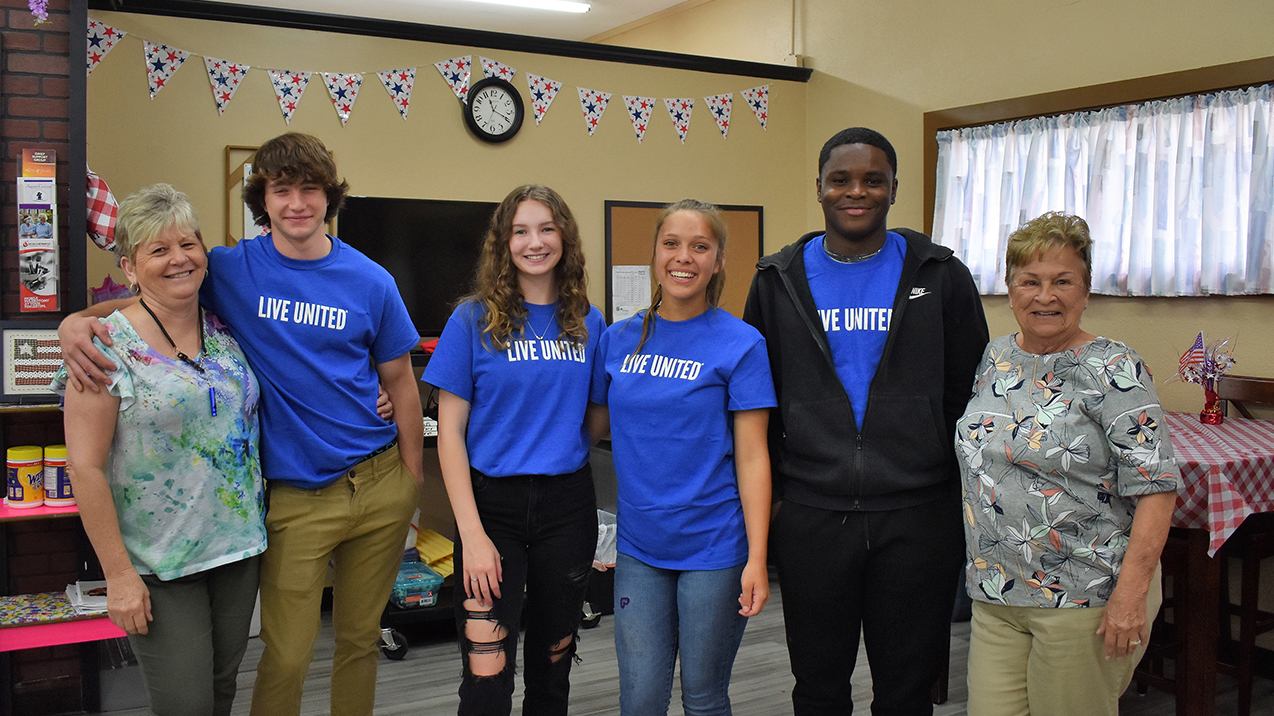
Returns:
(630, 290)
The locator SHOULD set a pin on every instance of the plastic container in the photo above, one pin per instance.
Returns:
(57, 487)
(26, 476)
(416, 586)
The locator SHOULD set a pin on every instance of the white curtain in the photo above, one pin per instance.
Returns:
(1178, 194)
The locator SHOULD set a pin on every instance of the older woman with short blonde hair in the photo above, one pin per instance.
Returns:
(1069, 485)
(165, 467)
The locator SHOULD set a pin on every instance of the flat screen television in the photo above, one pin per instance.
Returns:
(430, 247)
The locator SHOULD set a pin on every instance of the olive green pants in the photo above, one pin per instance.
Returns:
(360, 523)
(190, 653)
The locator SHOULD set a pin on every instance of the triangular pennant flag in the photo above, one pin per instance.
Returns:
(344, 90)
(491, 68)
(594, 104)
(456, 72)
(543, 90)
(679, 110)
(719, 105)
(758, 98)
(225, 77)
(639, 109)
(288, 87)
(162, 62)
(102, 38)
(398, 84)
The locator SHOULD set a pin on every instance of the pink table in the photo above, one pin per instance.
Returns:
(74, 632)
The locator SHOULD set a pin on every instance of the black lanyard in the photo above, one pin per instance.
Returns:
(212, 392)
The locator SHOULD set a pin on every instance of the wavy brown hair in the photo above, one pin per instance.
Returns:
(495, 284)
(716, 284)
(293, 158)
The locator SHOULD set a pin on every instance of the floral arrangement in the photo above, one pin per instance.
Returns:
(39, 10)
(1205, 364)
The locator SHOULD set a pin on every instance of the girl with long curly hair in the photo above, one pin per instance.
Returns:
(513, 368)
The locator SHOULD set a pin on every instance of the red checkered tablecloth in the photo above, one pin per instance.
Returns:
(1227, 473)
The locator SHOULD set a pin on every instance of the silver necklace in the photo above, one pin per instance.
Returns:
(849, 259)
(539, 336)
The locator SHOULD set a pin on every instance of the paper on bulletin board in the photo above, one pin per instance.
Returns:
(37, 244)
(630, 290)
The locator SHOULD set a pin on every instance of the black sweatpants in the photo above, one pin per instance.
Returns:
(892, 574)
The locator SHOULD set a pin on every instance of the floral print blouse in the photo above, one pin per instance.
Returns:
(1054, 450)
(186, 483)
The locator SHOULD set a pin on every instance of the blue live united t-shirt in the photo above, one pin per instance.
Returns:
(672, 433)
(855, 304)
(313, 331)
(527, 402)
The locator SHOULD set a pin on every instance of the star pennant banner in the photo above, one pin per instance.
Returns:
(639, 109)
(758, 98)
(225, 77)
(344, 90)
(543, 91)
(491, 68)
(594, 104)
(162, 62)
(398, 84)
(679, 110)
(456, 72)
(719, 106)
(102, 38)
(288, 87)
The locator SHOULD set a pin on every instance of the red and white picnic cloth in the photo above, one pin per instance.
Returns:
(1227, 473)
(102, 211)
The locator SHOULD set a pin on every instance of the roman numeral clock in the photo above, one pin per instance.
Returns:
(494, 110)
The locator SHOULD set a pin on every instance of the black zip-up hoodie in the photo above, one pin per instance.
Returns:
(904, 453)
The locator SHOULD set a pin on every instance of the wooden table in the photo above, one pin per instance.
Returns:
(1227, 474)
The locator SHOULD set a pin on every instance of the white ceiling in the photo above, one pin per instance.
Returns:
(605, 14)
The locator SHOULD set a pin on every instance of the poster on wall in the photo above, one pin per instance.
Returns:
(37, 232)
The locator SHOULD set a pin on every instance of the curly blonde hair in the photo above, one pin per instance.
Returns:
(495, 285)
(712, 216)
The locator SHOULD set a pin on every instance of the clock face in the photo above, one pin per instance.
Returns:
(494, 110)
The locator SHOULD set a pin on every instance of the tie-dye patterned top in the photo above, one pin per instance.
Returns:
(1054, 449)
(187, 484)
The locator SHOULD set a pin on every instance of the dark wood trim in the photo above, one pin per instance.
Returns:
(76, 294)
(1110, 94)
(323, 22)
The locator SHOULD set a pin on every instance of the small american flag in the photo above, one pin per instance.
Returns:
(1194, 356)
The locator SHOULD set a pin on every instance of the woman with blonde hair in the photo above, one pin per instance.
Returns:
(165, 466)
(689, 392)
(513, 367)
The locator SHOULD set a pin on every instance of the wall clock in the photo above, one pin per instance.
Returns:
(494, 110)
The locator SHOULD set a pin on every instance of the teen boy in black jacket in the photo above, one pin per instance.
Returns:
(867, 533)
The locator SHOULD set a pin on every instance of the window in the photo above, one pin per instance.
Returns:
(1178, 194)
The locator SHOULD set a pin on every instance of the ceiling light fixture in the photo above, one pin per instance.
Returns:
(559, 5)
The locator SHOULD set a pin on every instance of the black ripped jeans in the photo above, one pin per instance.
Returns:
(545, 527)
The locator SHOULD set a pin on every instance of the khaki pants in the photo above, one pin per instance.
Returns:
(361, 521)
(1046, 662)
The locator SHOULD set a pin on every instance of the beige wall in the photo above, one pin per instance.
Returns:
(179, 137)
(884, 64)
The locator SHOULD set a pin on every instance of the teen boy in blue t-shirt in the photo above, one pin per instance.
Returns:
(320, 324)
(873, 336)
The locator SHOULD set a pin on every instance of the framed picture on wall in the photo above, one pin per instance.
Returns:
(32, 356)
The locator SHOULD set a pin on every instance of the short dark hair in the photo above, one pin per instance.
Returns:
(858, 135)
(293, 158)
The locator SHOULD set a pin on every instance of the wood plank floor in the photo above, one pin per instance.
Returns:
(425, 681)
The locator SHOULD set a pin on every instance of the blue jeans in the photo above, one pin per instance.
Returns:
(659, 612)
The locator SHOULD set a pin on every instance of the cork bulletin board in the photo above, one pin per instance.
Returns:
(630, 241)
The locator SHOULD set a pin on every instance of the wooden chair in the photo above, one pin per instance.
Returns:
(1244, 390)
(1251, 543)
